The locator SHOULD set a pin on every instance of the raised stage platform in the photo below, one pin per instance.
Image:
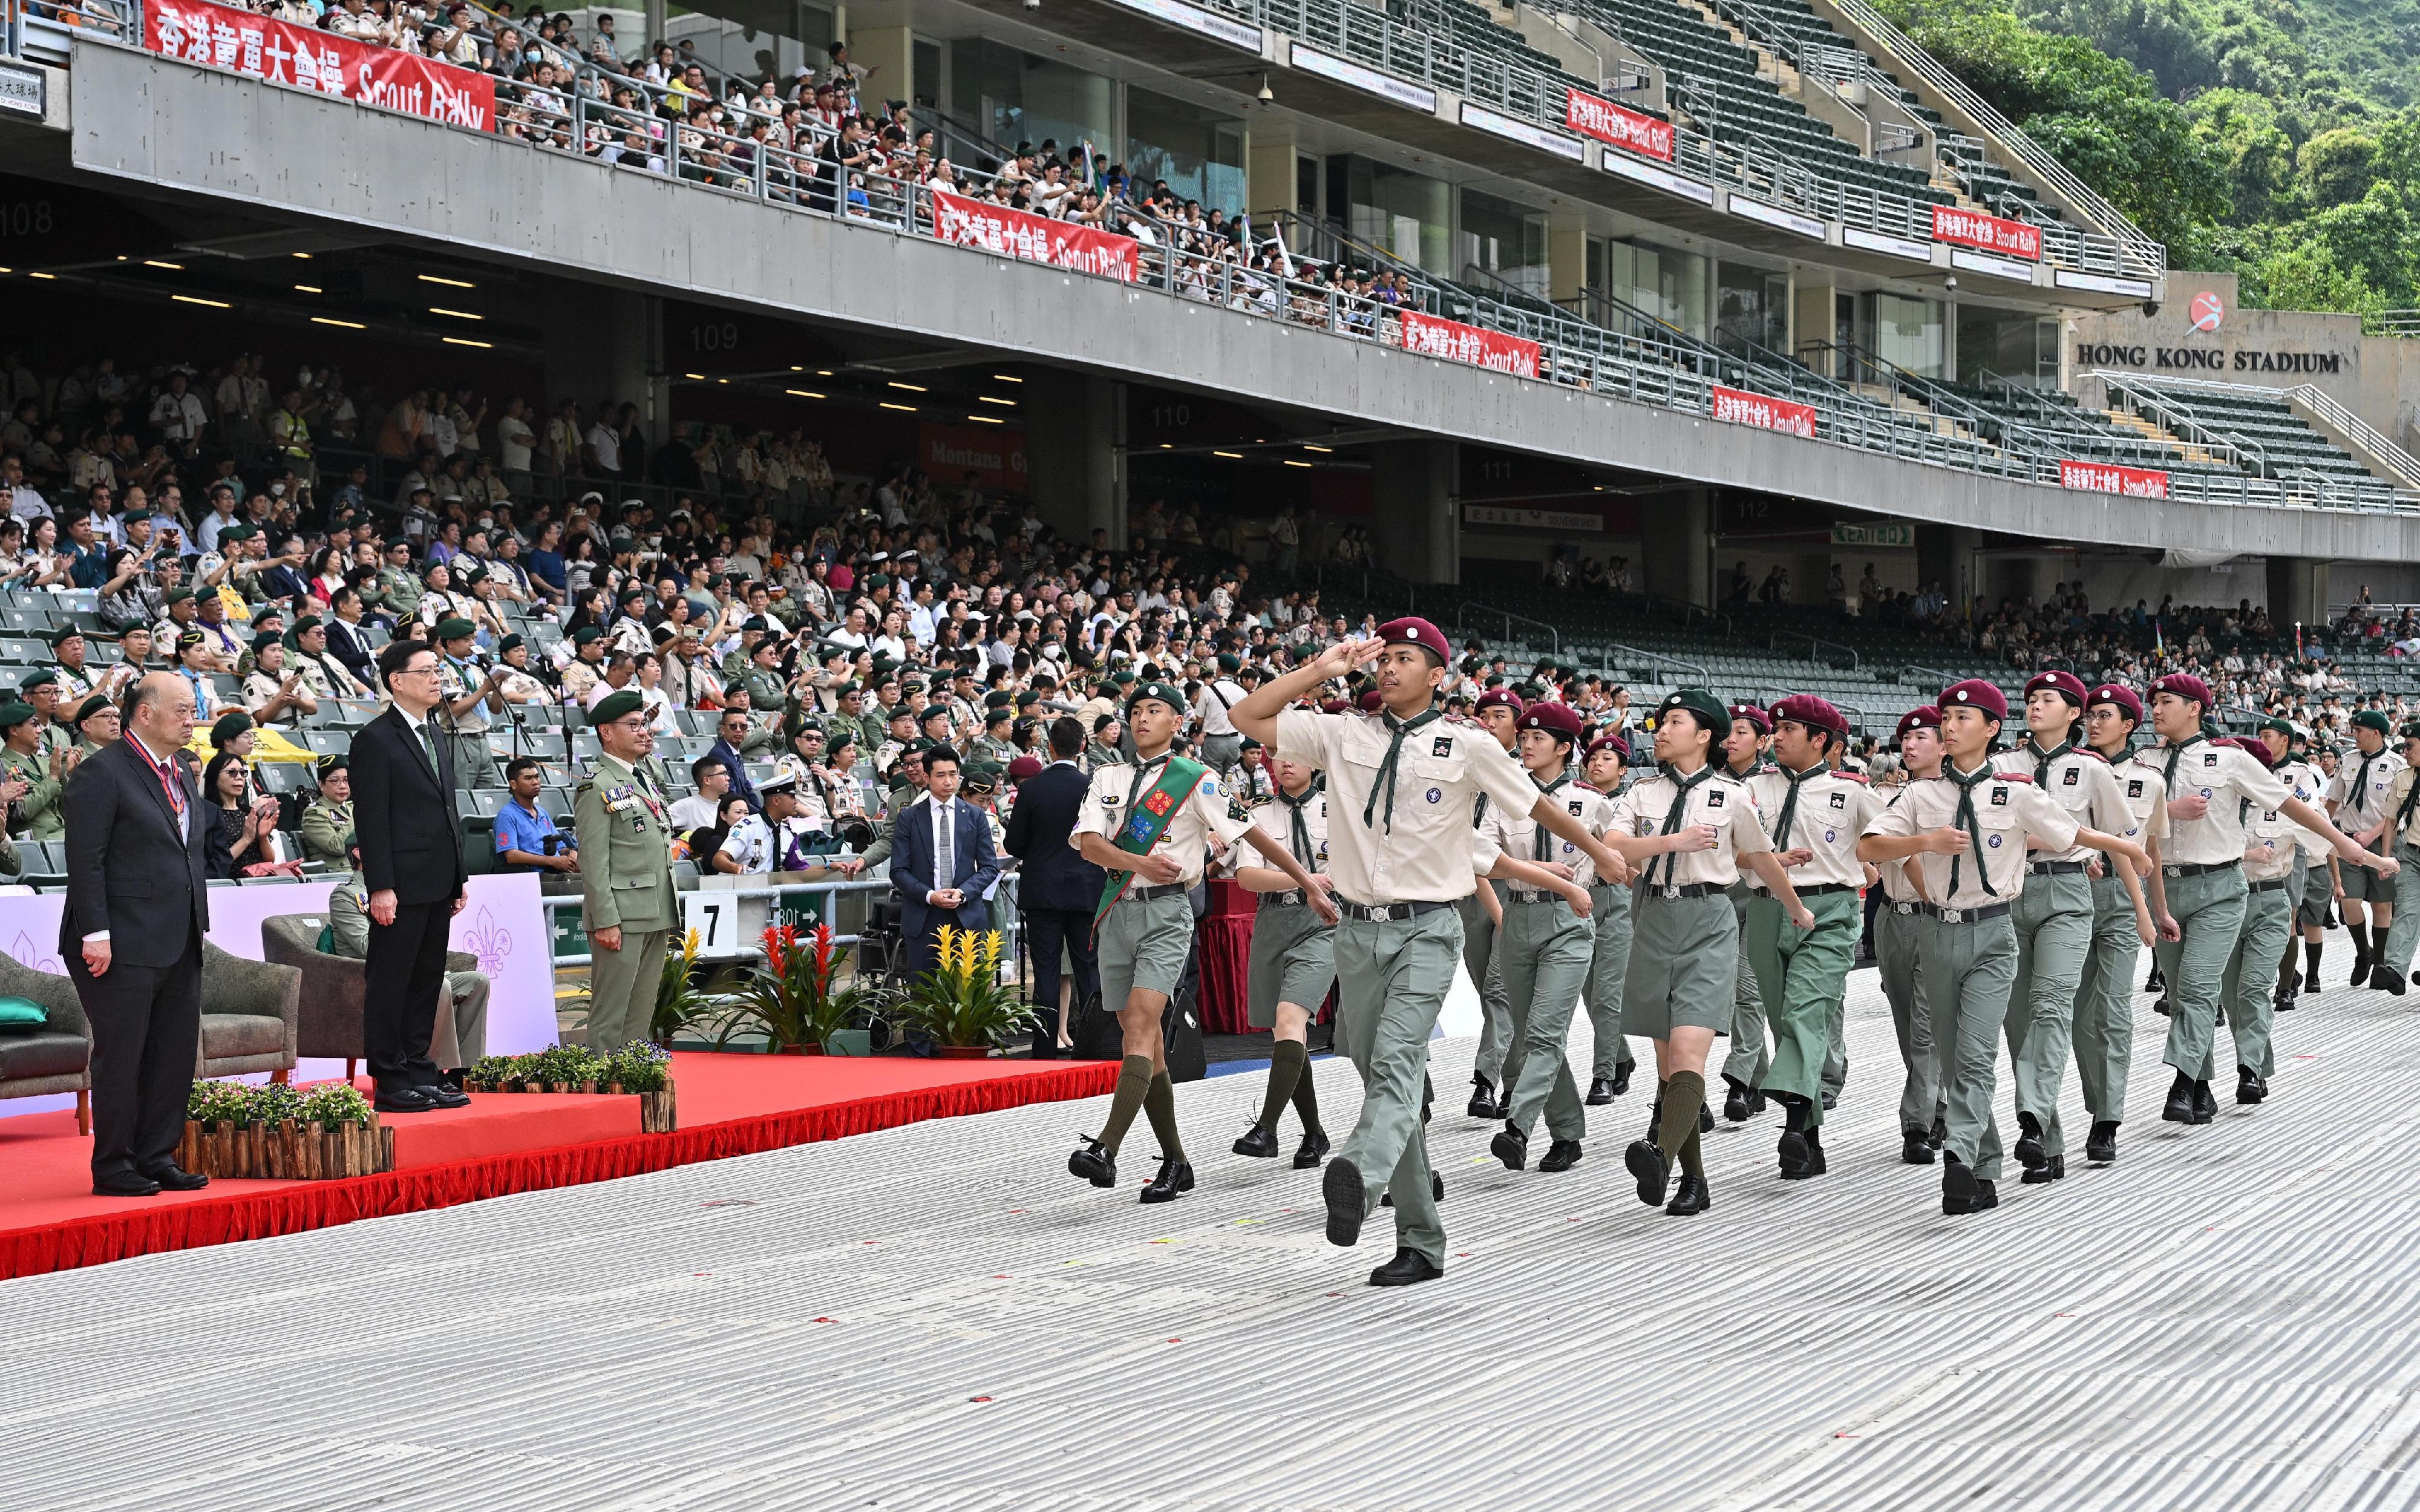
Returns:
(730, 1104)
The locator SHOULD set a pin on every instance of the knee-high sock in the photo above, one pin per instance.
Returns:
(1134, 1080)
(2311, 957)
(2360, 932)
(1306, 1096)
(1287, 1058)
(1691, 1162)
(1159, 1106)
(1683, 1096)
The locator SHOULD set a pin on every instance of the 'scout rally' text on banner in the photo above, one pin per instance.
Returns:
(1624, 128)
(2105, 477)
(1013, 233)
(1456, 342)
(305, 58)
(1741, 407)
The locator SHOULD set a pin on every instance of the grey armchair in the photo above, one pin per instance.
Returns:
(333, 987)
(57, 1058)
(251, 1012)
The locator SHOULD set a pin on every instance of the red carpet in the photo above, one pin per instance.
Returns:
(504, 1144)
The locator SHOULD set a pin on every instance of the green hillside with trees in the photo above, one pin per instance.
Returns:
(2276, 139)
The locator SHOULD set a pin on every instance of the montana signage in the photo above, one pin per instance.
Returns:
(2103, 478)
(2206, 359)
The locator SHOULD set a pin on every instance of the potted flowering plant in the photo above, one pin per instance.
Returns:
(680, 1002)
(961, 1003)
(791, 996)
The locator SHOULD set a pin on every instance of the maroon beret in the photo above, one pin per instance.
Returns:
(1976, 693)
(2066, 683)
(1922, 717)
(1755, 715)
(1413, 630)
(1816, 713)
(1554, 718)
(2185, 685)
(1023, 768)
(1373, 701)
(1498, 698)
(2253, 744)
(2118, 696)
(1614, 743)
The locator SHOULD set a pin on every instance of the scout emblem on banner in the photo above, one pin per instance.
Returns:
(1147, 821)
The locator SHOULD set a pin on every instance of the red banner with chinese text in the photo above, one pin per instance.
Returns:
(1986, 233)
(1625, 128)
(1741, 407)
(1014, 233)
(218, 37)
(2104, 478)
(1456, 342)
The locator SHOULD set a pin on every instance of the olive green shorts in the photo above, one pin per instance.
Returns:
(1143, 944)
(1294, 960)
(1684, 965)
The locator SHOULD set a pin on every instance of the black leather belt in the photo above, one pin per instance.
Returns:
(1989, 910)
(1821, 888)
(1530, 894)
(1386, 913)
(2270, 886)
(1144, 895)
(1684, 890)
(2199, 868)
(2055, 868)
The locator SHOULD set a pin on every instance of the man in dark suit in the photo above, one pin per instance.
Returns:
(411, 861)
(346, 640)
(1058, 889)
(131, 936)
(942, 861)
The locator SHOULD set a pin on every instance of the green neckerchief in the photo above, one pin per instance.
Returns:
(1790, 800)
(2361, 778)
(1544, 838)
(1966, 819)
(2175, 753)
(2411, 799)
(1670, 859)
(2043, 758)
(1299, 834)
(1399, 729)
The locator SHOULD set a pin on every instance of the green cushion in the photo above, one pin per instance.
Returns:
(21, 1015)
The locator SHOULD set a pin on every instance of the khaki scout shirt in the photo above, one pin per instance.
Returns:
(1830, 819)
(2006, 813)
(2222, 775)
(1721, 800)
(1425, 856)
(2359, 791)
(1276, 818)
(2080, 782)
(1186, 838)
(2304, 781)
(2269, 841)
(1515, 834)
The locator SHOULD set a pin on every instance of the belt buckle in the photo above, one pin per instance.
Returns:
(1953, 915)
(1671, 891)
(1902, 908)
(2173, 871)
(1381, 913)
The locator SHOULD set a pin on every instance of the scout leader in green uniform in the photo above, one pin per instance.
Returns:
(2104, 994)
(1694, 827)
(1403, 784)
(2269, 860)
(2403, 843)
(1293, 960)
(1814, 817)
(2201, 861)
(1921, 1122)
(1544, 948)
(1149, 826)
(1605, 770)
(1499, 710)
(43, 772)
(2356, 800)
(2054, 916)
(1967, 831)
(625, 876)
(328, 818)
(1744, 748)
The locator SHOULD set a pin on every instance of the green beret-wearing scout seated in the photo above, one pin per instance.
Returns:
(1148, 825)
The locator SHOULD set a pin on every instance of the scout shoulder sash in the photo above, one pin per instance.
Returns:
(1146, 820)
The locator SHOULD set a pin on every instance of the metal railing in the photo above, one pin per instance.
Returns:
(2156, 408)
(1469, 606)
(1815, 644)
(1641, 657)
(2391, 324)
(2362, 433)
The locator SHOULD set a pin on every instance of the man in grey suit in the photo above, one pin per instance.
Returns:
(131, 933)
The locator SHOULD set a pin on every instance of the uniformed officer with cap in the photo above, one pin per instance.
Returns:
(1967, 831)
(2054, 915)
(1606, 771)
(1544, 947)
(468, 695)
(1401, 782)
(328, 818)
(2202, 863)
(1696, 821)
(37, 813)
(1814, 817)
(2104, 990)
(1149, 827)
(625, 882)
(1748, 739)
(1897, 942)
(2357, 801)
(1495, 1063)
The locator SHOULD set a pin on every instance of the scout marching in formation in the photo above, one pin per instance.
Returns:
(2028, 857)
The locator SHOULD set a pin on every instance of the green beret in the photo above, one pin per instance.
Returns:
(1160, 691)
(877, 581)
(305, 625)
(2284, 727)
(229, 725)
(919, 746)
(1709, 710)
(455, 628)
(994, 715)
(845, 689)
(586, 634)
(754, 622)
(999, 698)
(910, 685)
(2410, 728)
(467, 573)
(138, 628)
(328, 766)
(633, 591)
(40, 679)
(266, 639)
(65, 634)
(507, 644)
(235, 533)
(98, 703)
(14, 713)
(614, 706)
(1228, 662)
(898, 711)
(179, 595)
(1122, 679)
(1028, 698)
(767, 646)
(2373, 718)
